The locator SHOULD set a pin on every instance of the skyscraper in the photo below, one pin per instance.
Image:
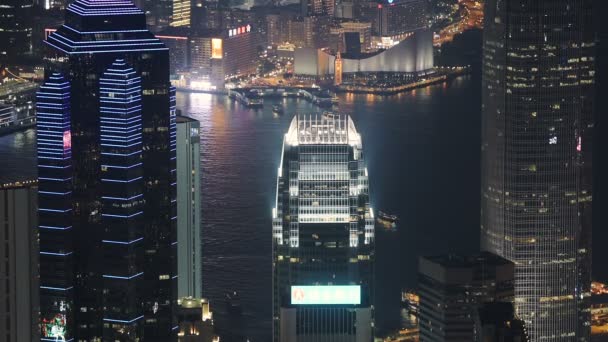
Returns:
(106, 164)
(189, 243)
(15, 28)
(181, 13)
(159, 13)
(538, 79)
(19, 269)
(391, 18)
(323, 234)
(453, 288)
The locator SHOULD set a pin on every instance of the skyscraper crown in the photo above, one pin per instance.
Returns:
(100, 26)
(104, 15)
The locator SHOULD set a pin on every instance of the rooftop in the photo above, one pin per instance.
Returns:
(322, 129)
(464, 261)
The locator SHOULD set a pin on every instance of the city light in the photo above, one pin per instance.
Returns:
(331, 295)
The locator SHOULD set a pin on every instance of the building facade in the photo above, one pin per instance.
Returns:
(181, 15)
(401, 16)
(189, 243)
(412, 55)
(538, 89)
(323, 234)
(453, 287)
(19, 271)
(496, 322)
(15, 28)
(195, 321)
(107, 178)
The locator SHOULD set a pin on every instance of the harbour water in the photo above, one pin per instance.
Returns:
(422, 151)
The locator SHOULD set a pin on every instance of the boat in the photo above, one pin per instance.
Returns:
(277, 110)
(233, 303)
(387, 221)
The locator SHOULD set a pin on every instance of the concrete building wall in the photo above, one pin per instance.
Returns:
(19, 303)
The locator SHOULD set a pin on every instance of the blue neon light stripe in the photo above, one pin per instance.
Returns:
(55, 228)
(122, 242)
(122, 277)
(123, 216)
(120, 181)
(123, 321)
(57, 288)
(56, 254)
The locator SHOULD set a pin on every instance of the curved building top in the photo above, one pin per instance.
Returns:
(98, 26)
(325, 129)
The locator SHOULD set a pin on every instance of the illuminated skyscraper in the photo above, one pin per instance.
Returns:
(106, 164)
(538, 86)
(323, 234)
(181, 13)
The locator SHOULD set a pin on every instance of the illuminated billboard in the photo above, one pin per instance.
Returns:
(239, 30)
(216, 48)
(317, 294)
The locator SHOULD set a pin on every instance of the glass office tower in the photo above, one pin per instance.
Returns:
(538, 80)
(323, 234)
(189, 250)
(107, 193)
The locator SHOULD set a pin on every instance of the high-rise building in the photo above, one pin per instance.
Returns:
(453, 287)
(538, 94)
(15, 28)
(189, 243)
(207, 59)
(317, 7)
(159, 13)
(181, 13)
(178, 45)
(195, 321)
(275, 25)
(323, 234)
(107, 178)
(496, 322)
(391, 18)
(19, 269)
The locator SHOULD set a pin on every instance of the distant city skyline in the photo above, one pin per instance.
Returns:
(147, 218)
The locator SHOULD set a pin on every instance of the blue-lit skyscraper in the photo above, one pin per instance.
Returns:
(106, 147)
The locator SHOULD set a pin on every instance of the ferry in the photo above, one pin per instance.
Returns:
(387, 221)
(277, 110)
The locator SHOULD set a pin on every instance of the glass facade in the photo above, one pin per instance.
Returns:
(538, 79)
(189, 251)
(323, 228)
(108, 190)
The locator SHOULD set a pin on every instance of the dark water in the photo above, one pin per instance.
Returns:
(422, 151)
